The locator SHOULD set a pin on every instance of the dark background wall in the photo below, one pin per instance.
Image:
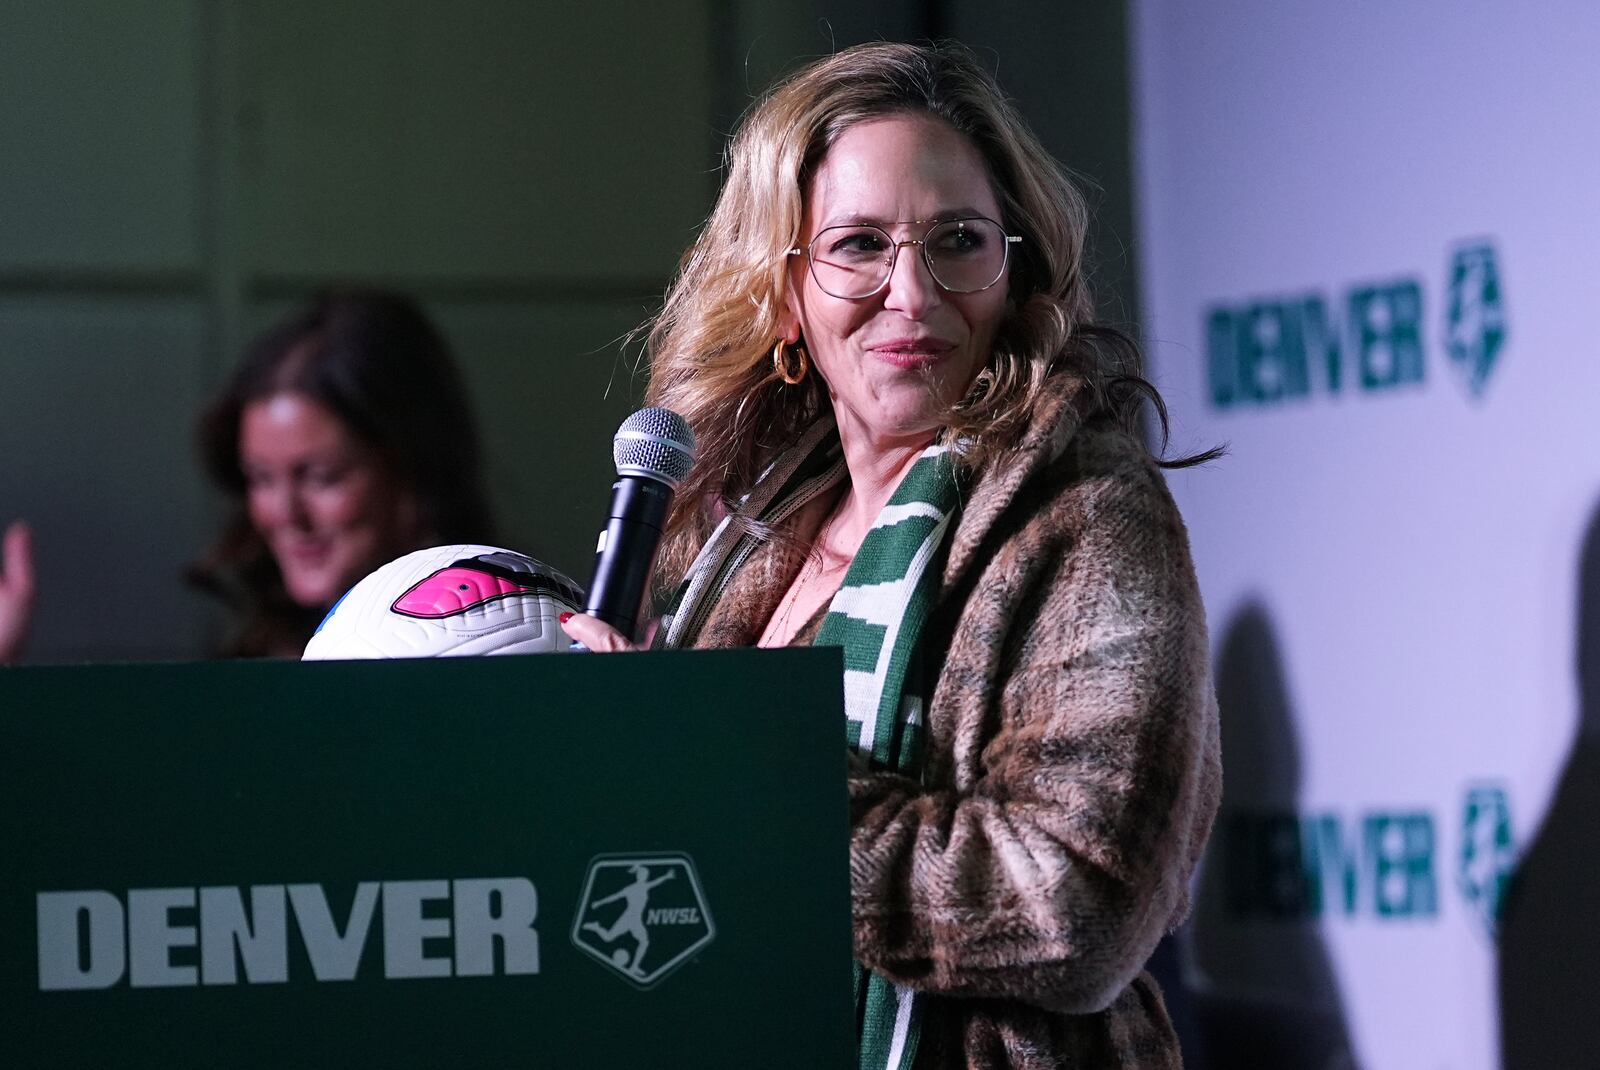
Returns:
(181, 172)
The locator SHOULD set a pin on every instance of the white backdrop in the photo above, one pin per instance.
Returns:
(1390, 555)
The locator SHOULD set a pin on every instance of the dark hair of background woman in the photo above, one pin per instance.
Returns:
(376, 362)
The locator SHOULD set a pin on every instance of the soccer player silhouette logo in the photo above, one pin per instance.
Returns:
(635, 897)
(642, 915)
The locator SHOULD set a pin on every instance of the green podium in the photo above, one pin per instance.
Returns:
(551, 861)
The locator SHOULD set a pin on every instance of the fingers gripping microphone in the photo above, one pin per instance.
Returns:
(653, 449)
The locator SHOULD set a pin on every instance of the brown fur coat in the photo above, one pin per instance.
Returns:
(1072, 767)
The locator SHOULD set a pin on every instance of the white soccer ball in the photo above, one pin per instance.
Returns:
(450, 601)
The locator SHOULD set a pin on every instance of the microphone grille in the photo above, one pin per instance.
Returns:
(655, 444)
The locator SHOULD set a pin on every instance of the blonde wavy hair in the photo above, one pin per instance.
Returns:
(710, 347)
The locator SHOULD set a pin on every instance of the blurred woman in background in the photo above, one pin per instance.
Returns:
(343, 440)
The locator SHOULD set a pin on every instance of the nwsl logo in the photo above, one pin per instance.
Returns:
(1488, 855)
(1475, 316)
(1265, 352)
(642, 916)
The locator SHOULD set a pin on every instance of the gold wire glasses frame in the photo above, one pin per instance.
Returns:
(850, 275)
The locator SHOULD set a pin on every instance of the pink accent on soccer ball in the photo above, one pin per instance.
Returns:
(454, 590)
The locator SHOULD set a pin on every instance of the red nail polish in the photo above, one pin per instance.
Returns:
(565, 617)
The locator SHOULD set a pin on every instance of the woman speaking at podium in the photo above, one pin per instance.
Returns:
(915, 443)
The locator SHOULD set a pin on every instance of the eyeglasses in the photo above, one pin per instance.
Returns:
(963, 256)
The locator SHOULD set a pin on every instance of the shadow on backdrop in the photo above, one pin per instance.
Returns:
(1265, 996)
(1166, 965)
(1549, 931)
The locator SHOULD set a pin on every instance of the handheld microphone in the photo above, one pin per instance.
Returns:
(653, 451)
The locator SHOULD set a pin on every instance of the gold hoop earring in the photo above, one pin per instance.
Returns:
(780, 363)
(983, 385)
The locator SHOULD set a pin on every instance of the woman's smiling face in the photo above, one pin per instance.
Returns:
(895, 361)
(327, 508)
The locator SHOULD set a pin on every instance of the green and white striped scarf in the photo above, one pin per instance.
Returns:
(877, 616)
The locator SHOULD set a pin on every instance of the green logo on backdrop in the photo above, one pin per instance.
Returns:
(1282, 865)
(1487, 855)
(1476, 325)
(1277, 349)
(642, 916)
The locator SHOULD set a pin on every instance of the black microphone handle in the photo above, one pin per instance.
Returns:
(627, 552)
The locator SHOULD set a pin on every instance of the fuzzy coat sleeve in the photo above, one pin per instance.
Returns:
(1072, 769)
